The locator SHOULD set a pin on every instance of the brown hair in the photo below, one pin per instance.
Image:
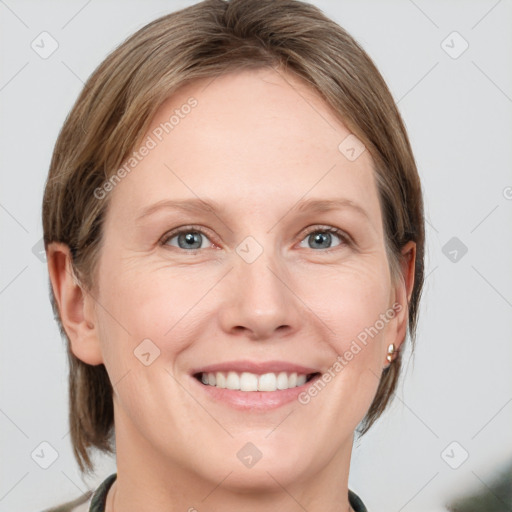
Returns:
(116, 105)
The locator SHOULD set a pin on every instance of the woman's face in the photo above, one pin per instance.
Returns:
(261, 283)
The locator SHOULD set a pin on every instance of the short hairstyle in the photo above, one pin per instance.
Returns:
(209, 39)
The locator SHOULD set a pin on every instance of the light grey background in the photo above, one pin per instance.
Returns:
(458, 387)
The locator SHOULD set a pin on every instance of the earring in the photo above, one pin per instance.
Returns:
(391, 353)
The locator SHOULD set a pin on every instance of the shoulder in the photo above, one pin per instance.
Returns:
(91, 501)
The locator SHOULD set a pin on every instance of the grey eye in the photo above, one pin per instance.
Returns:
(187, 240)
(322, 239)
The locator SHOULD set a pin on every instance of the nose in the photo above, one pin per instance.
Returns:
(261, 303)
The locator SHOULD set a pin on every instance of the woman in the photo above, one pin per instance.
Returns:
(234, 229)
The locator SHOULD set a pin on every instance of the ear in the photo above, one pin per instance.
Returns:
(76, 306)
(402, 293)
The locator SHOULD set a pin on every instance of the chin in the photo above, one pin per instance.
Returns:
(256, 464)
(267, 477)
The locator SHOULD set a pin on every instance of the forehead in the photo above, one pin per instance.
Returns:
(261, 137)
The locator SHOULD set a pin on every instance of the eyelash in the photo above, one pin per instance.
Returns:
(345, 239)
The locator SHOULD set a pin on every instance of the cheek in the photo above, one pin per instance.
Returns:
(162, 305)
(349, 298)
(360, 315)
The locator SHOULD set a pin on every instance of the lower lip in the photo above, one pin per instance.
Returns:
(254, 400)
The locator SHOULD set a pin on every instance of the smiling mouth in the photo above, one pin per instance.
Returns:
(250, 382)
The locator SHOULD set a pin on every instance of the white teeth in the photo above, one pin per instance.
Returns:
(282, 381)
(301, 379)
(221, 380)
(233, 381)
(267, 382)
(247, 381)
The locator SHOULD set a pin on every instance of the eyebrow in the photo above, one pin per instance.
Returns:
(325, 205)
(190, 205)
(197, 205)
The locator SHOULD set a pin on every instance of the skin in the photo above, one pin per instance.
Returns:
(257, 142)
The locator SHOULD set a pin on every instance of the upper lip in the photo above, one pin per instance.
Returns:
(256, 367)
